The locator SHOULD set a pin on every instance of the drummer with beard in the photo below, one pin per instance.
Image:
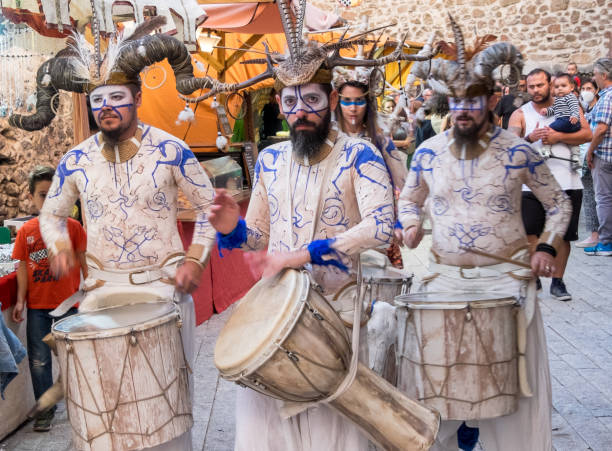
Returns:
(127, 177)
(472, 176)
(318, 201)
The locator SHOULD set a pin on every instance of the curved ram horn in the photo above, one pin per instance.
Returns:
(496, 55)
(54, 74)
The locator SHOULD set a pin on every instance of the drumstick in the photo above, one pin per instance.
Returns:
(496, 257)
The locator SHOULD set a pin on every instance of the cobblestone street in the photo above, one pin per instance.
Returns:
(579, 337)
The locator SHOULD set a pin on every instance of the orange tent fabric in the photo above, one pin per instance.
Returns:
(161, 106)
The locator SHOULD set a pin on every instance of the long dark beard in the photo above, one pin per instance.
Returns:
(469, 135)
(306, 143)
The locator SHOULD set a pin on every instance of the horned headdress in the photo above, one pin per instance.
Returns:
(470, 71)
(308, 61)
(78, 68)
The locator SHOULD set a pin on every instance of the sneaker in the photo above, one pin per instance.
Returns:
(600, 249)
(586, 243)
(558, 290)
(43, 422)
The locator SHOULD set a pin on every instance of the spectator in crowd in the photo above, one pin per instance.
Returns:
(565, 107)
(572, 70)
(588, 99)
(529, 123)
(599, 156)
(40, 290)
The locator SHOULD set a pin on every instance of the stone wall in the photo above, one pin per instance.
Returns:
(550, 33)
(21, 151)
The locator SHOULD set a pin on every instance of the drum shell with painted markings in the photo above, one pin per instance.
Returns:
(125, 376)
(457, 353)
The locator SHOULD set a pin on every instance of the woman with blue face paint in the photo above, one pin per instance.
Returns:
(356, 114)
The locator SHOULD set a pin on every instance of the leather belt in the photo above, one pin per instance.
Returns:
(474, 272)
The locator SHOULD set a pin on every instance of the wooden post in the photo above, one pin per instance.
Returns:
(80, 118)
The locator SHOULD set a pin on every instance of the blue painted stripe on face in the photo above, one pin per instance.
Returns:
(112, 107)
(361, 102)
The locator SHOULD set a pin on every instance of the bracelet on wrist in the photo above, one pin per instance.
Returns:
(543, 247)
(195, 260)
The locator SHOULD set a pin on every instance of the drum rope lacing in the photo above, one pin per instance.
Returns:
(290, 409)
(469, 318)
(130, 341)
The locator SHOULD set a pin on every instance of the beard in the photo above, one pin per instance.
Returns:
(113, 134)
(307, 143)
(544, 99)
(471, 133)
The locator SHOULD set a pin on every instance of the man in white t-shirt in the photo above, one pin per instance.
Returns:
(528, 123)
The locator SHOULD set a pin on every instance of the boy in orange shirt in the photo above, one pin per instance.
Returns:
(43, 293)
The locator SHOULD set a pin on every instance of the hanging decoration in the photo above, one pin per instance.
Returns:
(17, 91)
(59, 18)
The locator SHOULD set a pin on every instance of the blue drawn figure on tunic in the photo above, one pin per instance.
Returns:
(123, 201)
(158, 202)
(201, 228)
(410, 209)
(130, 247)
(182, 159)
(384, 218)
(422, 162)
(523, 156)
(439, 206)
(365, 156)
(95, 208)
(467, 236)
(500, 203)
(63, 171)
(389, 148)
(267, 161)
(467, 192)
(274, 208)
(333, 213)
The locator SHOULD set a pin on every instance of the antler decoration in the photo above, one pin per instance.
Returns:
(312, 56)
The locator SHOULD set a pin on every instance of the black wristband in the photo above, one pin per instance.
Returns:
(526, 138)
(543, 247)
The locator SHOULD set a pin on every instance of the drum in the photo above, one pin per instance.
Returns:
(457, 353)
(380, 284)
(124, 376)
(285, 340)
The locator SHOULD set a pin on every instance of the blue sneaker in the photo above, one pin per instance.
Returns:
(602, 250)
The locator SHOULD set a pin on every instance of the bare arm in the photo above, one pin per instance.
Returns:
(516, 124)
(22, 289)
(83, 264)
(572, 139)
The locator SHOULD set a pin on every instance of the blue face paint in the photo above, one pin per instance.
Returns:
(467, 103)
(114, 108)
(311, 99)
(345, 101)
(113, 97)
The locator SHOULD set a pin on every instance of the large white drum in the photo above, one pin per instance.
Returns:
(124, 376)
(458, 353)
(285, 340)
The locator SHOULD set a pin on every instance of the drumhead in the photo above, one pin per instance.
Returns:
(115, 321)
(264, 316)
(443, 300)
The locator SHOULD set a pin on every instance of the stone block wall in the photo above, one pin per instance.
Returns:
(550, 33)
